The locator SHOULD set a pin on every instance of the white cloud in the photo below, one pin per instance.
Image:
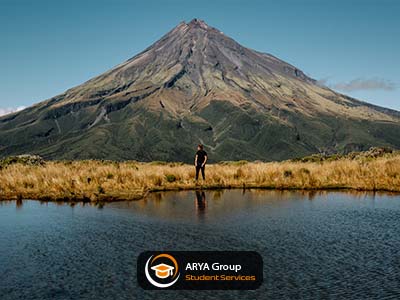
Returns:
(360, 84)
(365, 84)
(8, 110)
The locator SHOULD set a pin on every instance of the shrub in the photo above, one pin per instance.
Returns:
(158, 163)
(170, 177)
(240, 162)
(25, 159)
(287, 173)
(100, 189)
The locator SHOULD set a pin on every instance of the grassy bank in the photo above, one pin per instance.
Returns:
(107, 181)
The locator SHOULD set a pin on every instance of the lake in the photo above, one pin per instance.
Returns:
(315, 245)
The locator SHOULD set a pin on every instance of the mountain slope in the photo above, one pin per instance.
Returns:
(197, 85)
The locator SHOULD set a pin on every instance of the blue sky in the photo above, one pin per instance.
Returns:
(50, 46)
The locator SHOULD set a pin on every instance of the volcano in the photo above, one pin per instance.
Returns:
(197, 85)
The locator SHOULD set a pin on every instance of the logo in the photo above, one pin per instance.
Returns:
(200, 270)
(162, 270)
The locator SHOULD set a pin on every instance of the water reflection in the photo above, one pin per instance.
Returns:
(201, 204)
(211, 202)
(18, 204)
(315, 244)
(216, 205)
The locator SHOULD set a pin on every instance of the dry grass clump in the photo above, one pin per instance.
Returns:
(93, 180)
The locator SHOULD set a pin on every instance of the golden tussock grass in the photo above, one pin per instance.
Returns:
(107, 181)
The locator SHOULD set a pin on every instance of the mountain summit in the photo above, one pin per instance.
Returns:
(196, 85)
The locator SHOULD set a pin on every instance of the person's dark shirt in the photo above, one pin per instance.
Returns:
(201, 157)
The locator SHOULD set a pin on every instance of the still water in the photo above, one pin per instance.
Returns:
(314, 245)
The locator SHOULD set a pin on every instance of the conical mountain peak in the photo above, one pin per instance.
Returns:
(194, 27)
(197, 54)
(194, 85)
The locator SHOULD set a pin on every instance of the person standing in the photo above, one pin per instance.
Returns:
(200, 161)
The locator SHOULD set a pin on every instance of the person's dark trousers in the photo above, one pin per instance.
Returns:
(198, 168)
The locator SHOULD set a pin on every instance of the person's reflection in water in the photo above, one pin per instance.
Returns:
(19, 204)
(201, 204)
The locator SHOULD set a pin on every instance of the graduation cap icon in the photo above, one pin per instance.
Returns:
(163, 270)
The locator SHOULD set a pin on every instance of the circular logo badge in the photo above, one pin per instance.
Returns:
(162, 270)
